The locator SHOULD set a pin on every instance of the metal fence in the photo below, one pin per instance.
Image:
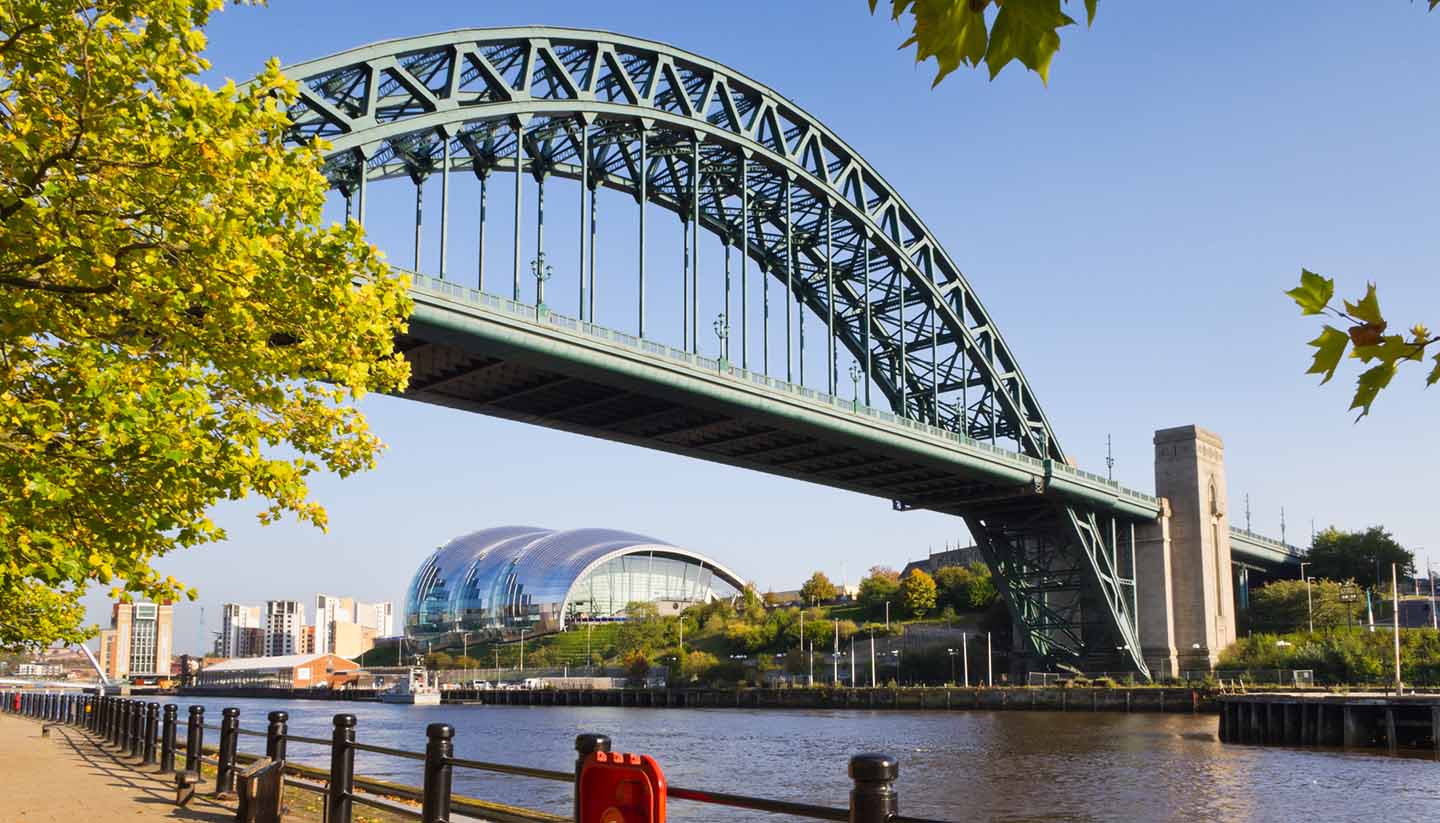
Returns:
(148, 733)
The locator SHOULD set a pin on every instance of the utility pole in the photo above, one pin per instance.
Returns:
(1109, 460)
(887, 615)
(1395, 592)
(835, 658)
(989, 662)
(1309, 609)
(872, 658)
(965, 656)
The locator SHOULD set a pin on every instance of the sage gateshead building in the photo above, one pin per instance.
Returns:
(506, 579)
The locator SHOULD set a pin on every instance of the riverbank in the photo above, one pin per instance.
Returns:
(1021, 698)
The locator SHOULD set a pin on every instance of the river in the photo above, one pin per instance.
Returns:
(961, 766)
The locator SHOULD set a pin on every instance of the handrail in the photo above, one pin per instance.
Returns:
(519, 771)
(366, 747)
(758, 804)
(313, 741)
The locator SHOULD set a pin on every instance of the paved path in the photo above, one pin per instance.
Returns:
(68, 778)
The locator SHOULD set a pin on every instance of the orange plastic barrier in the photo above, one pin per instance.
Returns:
(621, 788)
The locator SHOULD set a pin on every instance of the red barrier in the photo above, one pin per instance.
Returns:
(621, 788)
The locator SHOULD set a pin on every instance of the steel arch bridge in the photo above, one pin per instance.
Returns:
(964, 432)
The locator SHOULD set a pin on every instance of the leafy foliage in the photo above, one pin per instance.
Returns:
(918, 592)
(818, 589)
(1359, 556)
(956, 32)
(1285, 606)
(1365, 338)
(175, 327)
(876, 590)
(1356, 657)
(966, 588)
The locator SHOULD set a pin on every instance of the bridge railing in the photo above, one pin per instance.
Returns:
(134, 729)
(531, 314)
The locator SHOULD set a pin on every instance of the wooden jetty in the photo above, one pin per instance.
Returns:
(1352, 721)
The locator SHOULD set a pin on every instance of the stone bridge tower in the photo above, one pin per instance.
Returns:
(1187, 605)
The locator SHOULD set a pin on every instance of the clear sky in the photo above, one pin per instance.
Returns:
(1131, 229)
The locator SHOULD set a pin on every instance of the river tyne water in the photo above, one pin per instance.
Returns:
(959, 766)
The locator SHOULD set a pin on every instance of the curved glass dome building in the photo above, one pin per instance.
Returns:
(514, 577)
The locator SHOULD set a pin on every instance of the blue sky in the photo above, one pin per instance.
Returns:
(1130, 228)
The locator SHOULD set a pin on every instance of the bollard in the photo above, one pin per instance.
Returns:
(152, 716)
(435, 803)
(194, 738)
(122, 731)
(342, 770)
(225, 768)
(873, 799)
(137, 729)
(99, 722)
(275, 736)
(167, 738)
(586, 745)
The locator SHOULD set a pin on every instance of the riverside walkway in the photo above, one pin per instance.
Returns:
(68, 777)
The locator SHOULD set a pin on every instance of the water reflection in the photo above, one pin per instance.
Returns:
(970, 766)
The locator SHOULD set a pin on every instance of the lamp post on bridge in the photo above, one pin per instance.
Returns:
(543, 271)
(722, 331)
(855, 373)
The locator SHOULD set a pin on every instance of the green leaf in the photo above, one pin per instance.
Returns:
(1368, 309)
(1329, 348)
(1434, 376)
(1025, 30)
(1091, 4)
(1314, 292)
(1369, 385)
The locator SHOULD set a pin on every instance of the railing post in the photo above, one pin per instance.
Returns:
(873, 799)
(137, 729)
(167, 737)
(275, 736)
(342, 769)
(225, 768)
(435, 804)
(586, 745)
(152, 716)
(194, 738)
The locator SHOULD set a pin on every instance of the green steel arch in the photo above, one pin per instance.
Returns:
(732, 156)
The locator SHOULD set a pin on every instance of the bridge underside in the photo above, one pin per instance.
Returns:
(1014, 521)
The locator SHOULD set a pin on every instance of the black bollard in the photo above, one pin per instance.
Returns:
(167, 738)
(225, 768)
(873, 799)
(137, 729)
(122, 732)
(586, 745)
(152, 717)
(275, 736)
(342, 770)
(435, 803)
(194, 738)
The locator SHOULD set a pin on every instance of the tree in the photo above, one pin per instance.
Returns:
(918, 592)
(1287, 606)
(176, 329)
(818, 589)
(876, 591)
(1364, 557)
(980, 590)
(1365, 339)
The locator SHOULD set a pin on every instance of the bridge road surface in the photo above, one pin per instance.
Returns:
(70, 778)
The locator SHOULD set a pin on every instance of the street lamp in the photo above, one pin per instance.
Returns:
(887, 614)
(1395, 590)
(1309, 607)
(855, 374)
(722, 331)
(543, 271)
(952, 664)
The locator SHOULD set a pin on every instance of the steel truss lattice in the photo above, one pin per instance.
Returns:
(731, 156)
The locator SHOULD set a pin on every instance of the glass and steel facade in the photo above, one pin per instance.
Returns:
(514, 577)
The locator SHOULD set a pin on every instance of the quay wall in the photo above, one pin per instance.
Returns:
(1169, 700)
(1374, 721)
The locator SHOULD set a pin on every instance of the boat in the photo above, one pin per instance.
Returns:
(414, 690)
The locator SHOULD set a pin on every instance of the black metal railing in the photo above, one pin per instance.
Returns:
(147, 732)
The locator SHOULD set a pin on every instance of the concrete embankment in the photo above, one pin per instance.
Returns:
(1140, 699)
